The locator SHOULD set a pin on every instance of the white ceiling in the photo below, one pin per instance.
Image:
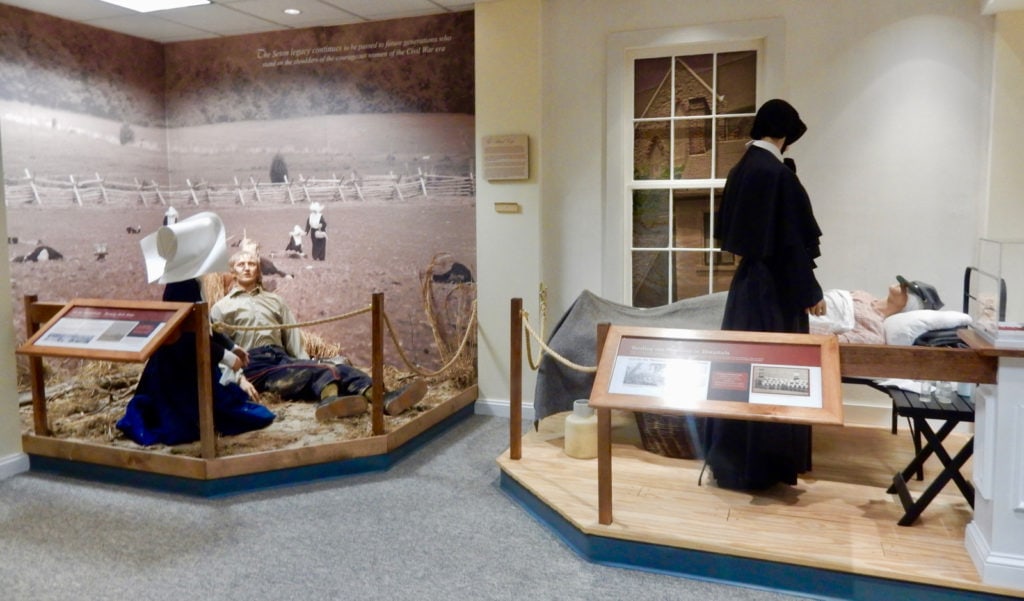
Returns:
(235, 17)
(991, 7)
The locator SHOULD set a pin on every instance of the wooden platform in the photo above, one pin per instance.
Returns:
(838, 521)
(243, 472)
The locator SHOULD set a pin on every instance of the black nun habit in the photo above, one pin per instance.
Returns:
(766, 219)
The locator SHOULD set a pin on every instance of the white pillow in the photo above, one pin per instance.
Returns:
(904, 328)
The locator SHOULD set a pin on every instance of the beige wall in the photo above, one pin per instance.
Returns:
(10, 430)
(1005, 214)
(508, 101)
(1006, 201)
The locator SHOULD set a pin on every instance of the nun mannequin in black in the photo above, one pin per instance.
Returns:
(766, 219)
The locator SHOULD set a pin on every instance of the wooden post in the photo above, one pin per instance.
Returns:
(40, 424)
(288, 189)
(32, 184)
(255, 189)
(515, 394)
(238, 189)
(340, 183)
(142, 193)
(377, 362)
(200, 325)
(103, 189)
(74, 189)
(192, 192)
(604, 446)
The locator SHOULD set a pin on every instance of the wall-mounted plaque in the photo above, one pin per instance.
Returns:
(744, 375)
(506, 157)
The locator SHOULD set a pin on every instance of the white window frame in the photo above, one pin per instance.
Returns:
(767, 36)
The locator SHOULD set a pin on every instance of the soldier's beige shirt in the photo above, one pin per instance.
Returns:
(258, 308)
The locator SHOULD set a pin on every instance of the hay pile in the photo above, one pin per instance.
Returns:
(85, 401)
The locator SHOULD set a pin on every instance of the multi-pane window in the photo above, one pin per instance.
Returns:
(691, 122)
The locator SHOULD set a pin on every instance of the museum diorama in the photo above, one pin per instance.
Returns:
(357, 201)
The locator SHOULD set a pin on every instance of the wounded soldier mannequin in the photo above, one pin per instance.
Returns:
(277, 361)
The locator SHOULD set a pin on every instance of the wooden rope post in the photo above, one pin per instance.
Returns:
(40, 424)
(515, 394)
(204, 381)
(604, 446)
(377, 362)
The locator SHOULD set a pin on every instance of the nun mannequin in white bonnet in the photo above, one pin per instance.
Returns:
(170, 216)
(316, 227)
(165, 407)
(294, 247)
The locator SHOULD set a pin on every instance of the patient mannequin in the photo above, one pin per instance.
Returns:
(895, 302)
(857, 316)
(909, 310)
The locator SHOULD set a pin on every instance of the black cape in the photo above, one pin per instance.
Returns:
(766, 219)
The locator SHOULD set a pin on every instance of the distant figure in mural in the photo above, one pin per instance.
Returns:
(165, 407)
(458, 273)
(170, 216)
(294, 248)
(134, 229)
(278, 170)
(279, 363)
(40, 254)
(316, 227)
(766, 219)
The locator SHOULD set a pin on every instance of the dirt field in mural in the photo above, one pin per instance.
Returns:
(386, 248)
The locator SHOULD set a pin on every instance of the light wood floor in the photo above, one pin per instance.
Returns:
(837, 517)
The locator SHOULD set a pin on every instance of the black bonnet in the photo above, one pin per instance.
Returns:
(777, 119)
(926, 292)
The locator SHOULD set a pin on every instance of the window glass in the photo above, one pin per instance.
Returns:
(691, 123)
(650, 219)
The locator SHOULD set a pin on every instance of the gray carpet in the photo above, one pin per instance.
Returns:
(435, 526)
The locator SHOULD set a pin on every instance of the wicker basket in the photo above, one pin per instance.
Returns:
(667, 435)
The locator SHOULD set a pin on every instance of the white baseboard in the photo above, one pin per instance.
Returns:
(856, 412)
(13, 465)
(501, 408)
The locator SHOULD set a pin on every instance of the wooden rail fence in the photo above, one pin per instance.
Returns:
(44, 191)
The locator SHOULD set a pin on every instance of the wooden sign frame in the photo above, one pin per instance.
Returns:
(107, 330)
(763, 376)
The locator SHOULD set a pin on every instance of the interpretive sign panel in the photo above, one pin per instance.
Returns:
(106, 329)
(744, 375)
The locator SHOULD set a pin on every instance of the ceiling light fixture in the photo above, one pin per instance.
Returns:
(292, 11)
(148, 6)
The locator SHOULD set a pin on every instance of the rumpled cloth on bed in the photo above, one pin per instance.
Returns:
(575, 338)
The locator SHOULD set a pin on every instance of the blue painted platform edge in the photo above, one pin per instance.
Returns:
(778, 577)
(246, 482)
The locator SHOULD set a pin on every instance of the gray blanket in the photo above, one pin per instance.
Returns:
(575, 338)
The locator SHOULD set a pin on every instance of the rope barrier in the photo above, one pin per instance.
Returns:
(415, 369)
(220, 326)
(550, 351)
